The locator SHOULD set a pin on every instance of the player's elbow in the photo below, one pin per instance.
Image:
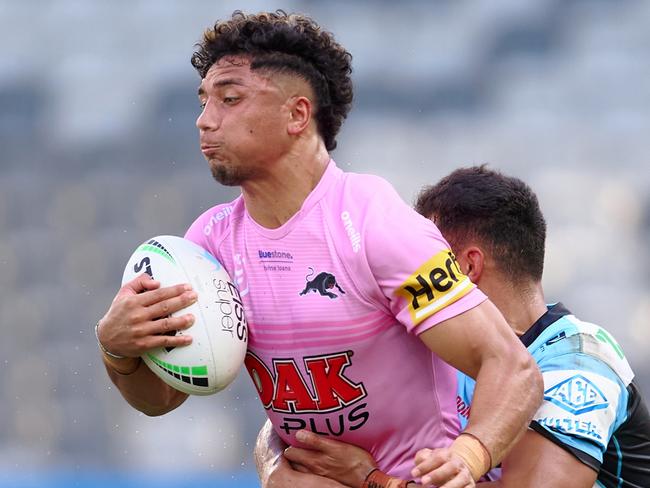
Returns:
(161, 406)
(151, 411)
(531, 381)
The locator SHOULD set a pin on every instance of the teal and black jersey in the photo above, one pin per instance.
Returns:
(592, 407)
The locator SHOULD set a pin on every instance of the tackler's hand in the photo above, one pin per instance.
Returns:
(442, 468)
(345, 463)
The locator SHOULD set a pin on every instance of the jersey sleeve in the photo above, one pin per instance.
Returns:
(210, 227)
(195, 232)
(584, 403)
(413, 265)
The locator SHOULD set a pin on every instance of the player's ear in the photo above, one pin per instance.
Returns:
(474, 261)
(300, 110)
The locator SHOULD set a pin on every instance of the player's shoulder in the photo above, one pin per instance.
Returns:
(369, 199)
(366, 187)
(216, 221)
(585, 396)
(573, 344)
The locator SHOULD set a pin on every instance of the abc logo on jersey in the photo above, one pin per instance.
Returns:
(434, 285)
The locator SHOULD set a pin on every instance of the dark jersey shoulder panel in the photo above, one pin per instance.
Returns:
(626, 461)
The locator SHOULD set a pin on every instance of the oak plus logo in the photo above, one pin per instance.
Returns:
(324, 387)
(576, 395)
(435, 284)
(319, 397)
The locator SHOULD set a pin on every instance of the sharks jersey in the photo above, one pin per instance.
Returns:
(335, 299)
(592, 406)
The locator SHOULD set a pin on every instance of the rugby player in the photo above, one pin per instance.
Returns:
(358, 313)
(593, 428)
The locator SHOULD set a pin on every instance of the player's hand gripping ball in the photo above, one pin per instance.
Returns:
(219, 333)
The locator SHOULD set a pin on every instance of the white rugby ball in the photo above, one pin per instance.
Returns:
(219, 333)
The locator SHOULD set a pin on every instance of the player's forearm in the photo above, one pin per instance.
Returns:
(143, 390)
(508, 392)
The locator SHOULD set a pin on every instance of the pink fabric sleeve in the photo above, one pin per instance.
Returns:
(195, 232)
(413, 265)
(210, 227)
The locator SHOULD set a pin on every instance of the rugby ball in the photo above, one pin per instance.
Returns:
(219, 333)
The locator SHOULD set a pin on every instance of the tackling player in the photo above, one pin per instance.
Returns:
(593, 425)
(352, 298)
(593, 428)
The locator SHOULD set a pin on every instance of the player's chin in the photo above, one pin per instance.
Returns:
(235, 174)
(226, 174)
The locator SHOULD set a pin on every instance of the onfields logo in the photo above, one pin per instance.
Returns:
(576, 395)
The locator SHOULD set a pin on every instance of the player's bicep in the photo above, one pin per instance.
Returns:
(538, 462)
(467, 340)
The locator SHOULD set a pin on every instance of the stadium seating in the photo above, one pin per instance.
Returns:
(98, 151)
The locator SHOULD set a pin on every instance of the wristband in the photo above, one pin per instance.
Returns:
(377, 479)
(474, 453)
(101, 346)
(487, 451)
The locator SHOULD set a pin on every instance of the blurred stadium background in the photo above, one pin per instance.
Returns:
(98, 151)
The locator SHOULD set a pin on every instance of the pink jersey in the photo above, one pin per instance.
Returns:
(335, 299)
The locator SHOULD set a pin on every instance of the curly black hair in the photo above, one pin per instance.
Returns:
(501, 212)
(287, 43)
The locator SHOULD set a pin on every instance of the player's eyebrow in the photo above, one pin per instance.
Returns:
(229, 81)
(222, 83)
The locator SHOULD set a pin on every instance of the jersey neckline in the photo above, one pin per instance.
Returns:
(552, 315)
(329, 176)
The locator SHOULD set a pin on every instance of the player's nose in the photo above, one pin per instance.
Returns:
(209, 118)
